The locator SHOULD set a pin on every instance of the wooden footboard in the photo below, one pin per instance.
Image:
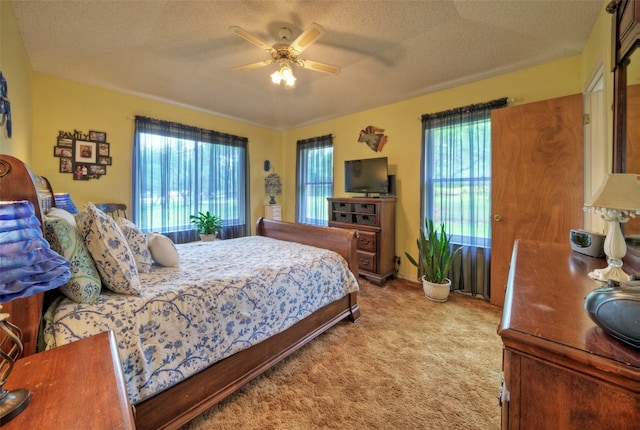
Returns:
(188, 399)
(191, 397)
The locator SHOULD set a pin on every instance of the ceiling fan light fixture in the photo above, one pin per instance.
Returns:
(284, 74)
(290, 82)
(285, 53)
(276, 78)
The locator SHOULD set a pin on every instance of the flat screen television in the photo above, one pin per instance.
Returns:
(368, 176)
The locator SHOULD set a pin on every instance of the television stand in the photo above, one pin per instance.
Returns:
(375, 221)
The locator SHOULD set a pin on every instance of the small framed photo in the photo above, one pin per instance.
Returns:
(64, 141)
(105, 161)
(66, 165)
(85, 152)
(62, 151)
(103, 150)
(97, 136)
(80, 172)
(97, 170)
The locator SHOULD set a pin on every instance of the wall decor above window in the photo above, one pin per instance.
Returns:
(374, 137)
(85, 155)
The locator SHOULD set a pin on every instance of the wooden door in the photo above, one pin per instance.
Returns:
(537, 178)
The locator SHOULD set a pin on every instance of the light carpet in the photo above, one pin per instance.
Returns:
(409, 363)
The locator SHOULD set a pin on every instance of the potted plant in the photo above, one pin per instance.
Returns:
(208, 225)
(434, 261)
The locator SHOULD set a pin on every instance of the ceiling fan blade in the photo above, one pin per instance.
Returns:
(252, 65)
(310, 35)
(318, 67)
(250, 38)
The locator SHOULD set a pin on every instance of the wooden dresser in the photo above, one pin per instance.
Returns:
(561, 371)
(74, 386)
(375, 221)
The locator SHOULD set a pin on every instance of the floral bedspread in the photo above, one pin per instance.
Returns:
(226, 296)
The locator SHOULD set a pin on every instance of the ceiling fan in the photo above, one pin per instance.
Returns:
(285, 53)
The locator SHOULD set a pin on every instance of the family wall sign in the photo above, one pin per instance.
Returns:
(85, 155)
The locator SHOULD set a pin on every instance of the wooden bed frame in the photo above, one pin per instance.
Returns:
(181, 403)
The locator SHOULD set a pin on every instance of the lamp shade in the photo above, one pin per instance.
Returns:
(63, 201)
(618, 191)
(27, 263)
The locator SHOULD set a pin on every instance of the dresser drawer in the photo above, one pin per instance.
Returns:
(342, 206)
(366, 219)
(367, 241)
(367, 261)
(364, 208)
(346, 217)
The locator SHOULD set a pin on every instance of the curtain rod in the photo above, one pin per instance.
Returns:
(134, 117)
(493, 104)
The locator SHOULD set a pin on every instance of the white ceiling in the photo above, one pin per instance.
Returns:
(183, 51)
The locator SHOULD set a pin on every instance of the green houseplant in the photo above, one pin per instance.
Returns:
(435, 258)
(208, 225)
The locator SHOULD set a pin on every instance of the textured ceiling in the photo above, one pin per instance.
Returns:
(183, 51)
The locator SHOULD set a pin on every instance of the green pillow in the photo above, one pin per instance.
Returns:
(84, 285)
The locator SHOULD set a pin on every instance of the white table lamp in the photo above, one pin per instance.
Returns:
(617, 200)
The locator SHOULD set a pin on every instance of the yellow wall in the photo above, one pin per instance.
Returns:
(402, 124)
(16, 68)
(64, 105)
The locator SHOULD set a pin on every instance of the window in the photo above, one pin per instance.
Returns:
(314, 180)
(456, 174)
(179, 171)
(458, 179)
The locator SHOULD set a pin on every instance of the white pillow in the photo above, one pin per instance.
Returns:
(61, 213)
(163, 250)
(137, 242)
(110, 251)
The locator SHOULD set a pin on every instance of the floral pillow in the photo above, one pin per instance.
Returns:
(62, 233)
(163, 250)
(137, 242)
(110, 251)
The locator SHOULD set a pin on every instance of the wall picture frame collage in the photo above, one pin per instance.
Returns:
(85, 156)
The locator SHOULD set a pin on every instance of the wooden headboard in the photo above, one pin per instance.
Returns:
(18, 183)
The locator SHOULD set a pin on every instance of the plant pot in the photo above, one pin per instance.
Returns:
(208, 237)
(436, 292)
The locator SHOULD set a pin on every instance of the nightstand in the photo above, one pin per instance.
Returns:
(273, 212)
(79, 385)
